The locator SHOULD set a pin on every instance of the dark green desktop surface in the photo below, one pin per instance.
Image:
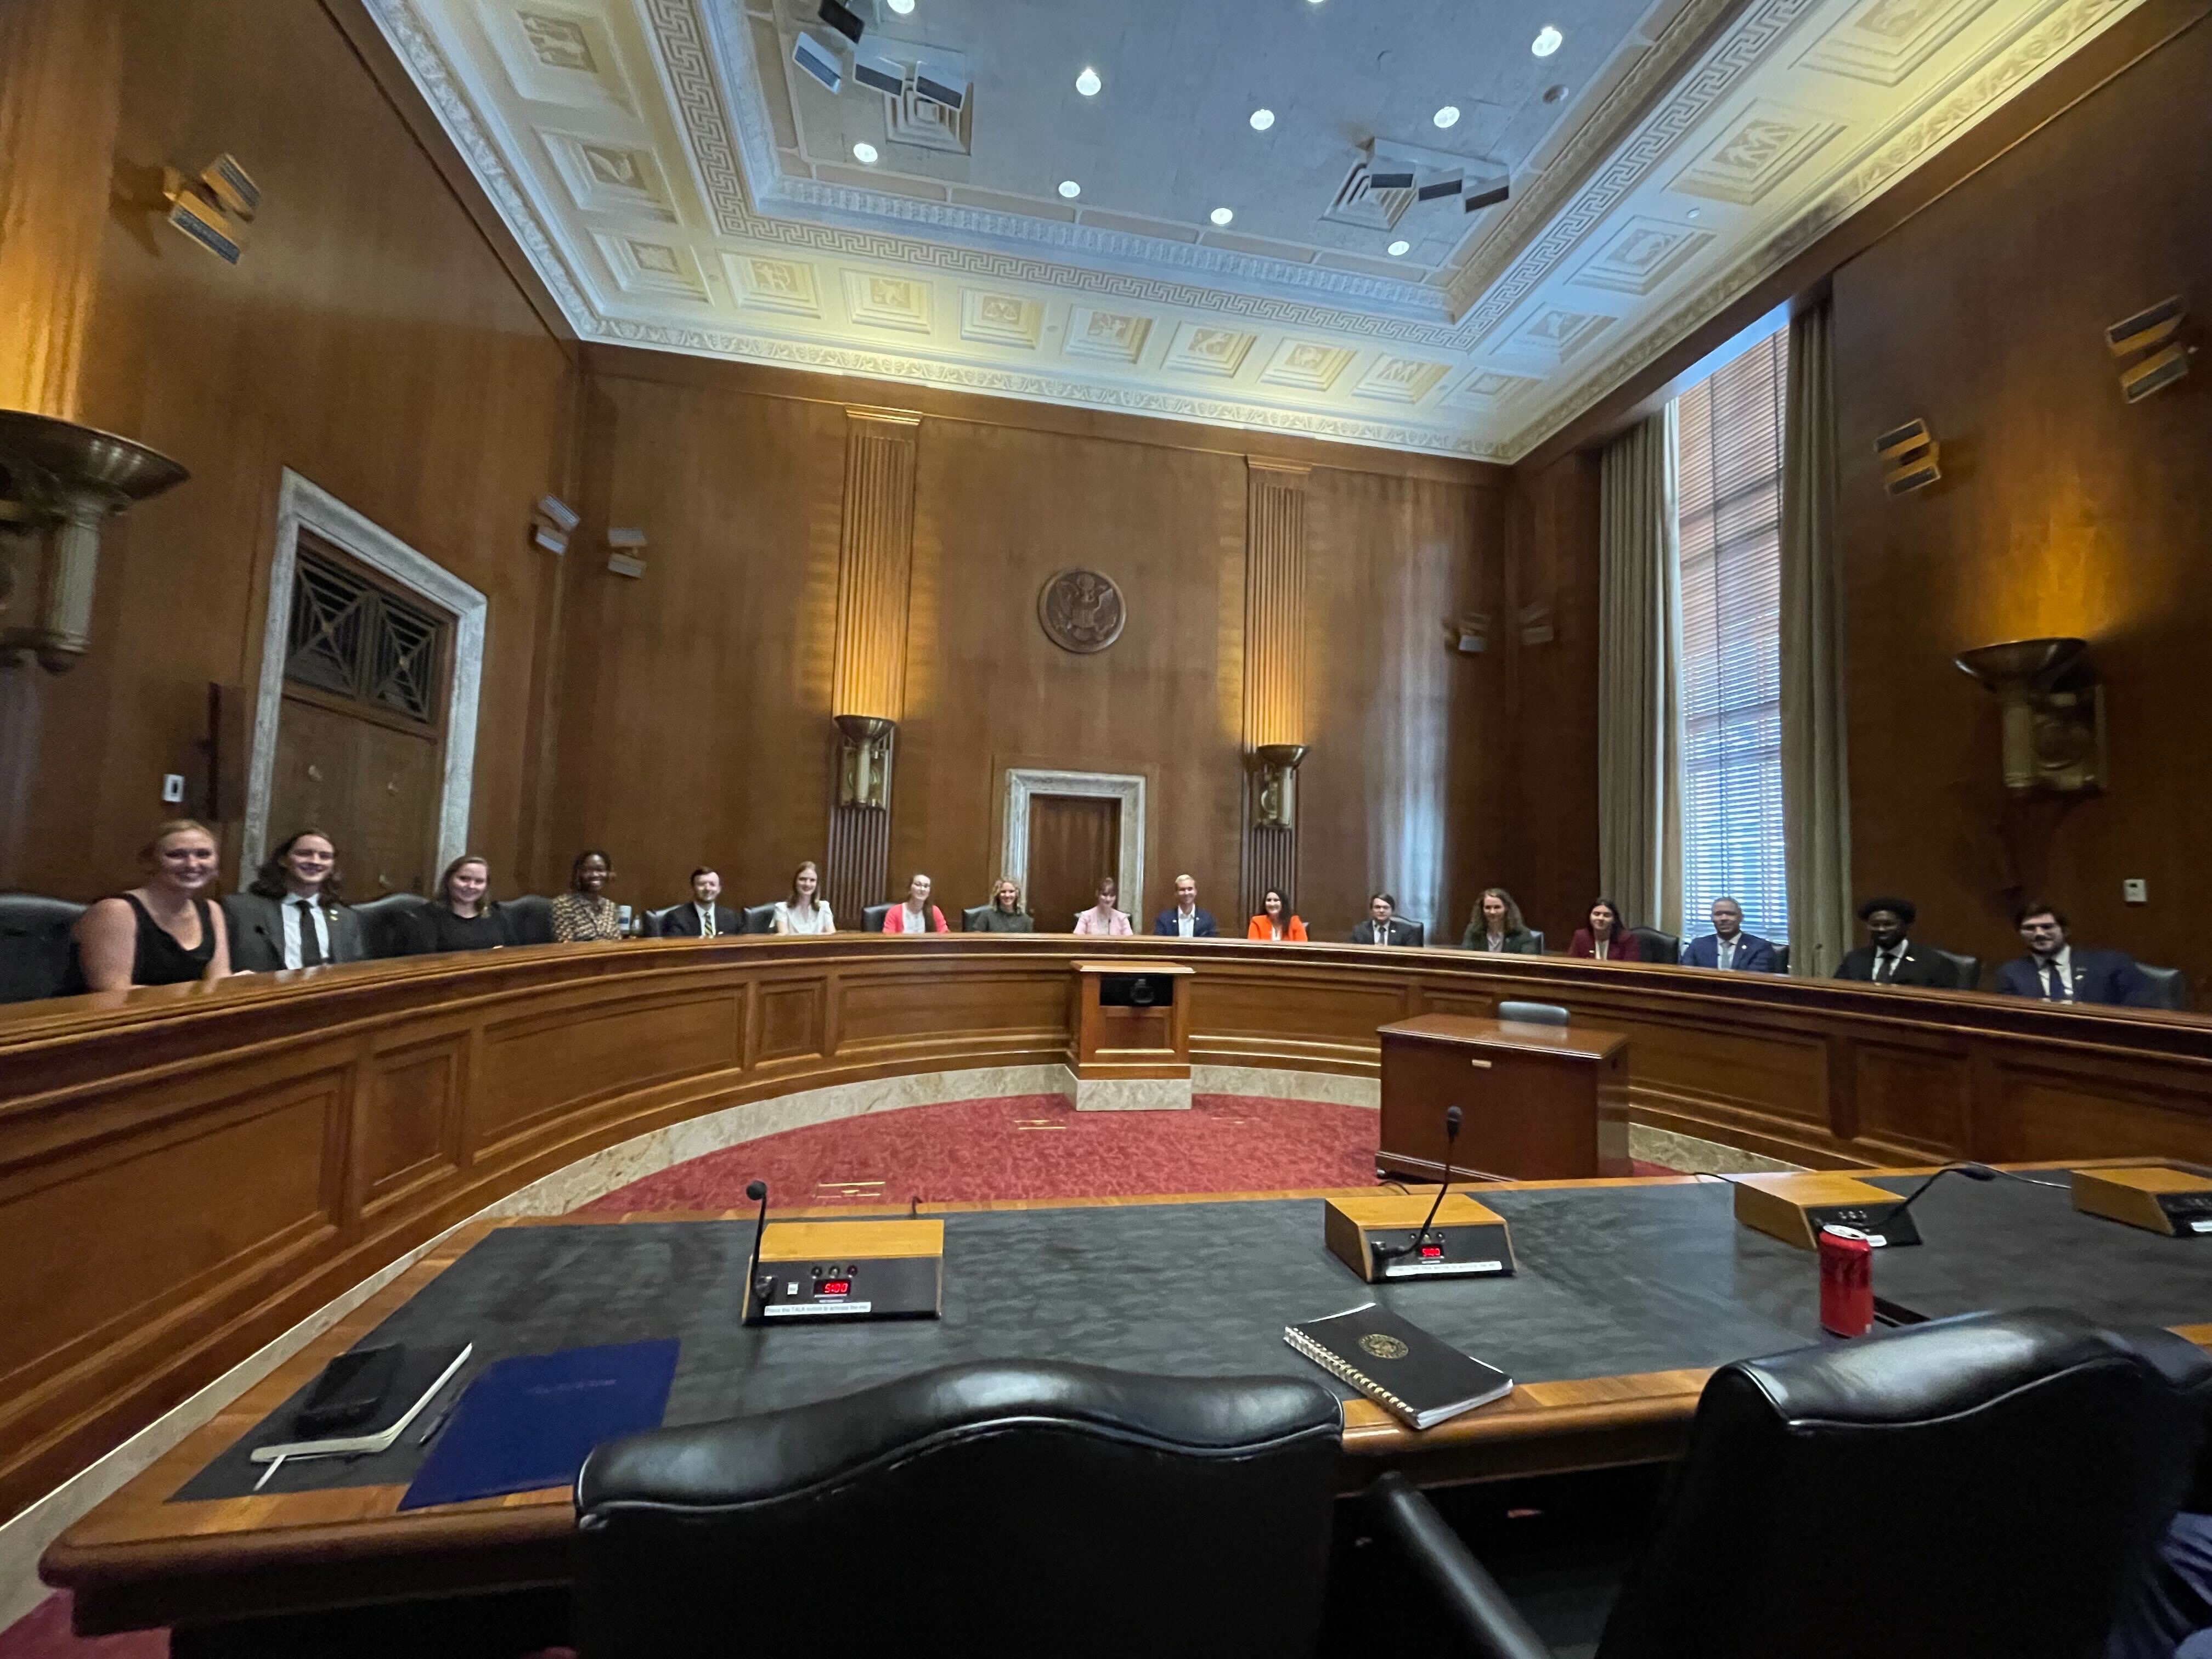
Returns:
(1612, 1280)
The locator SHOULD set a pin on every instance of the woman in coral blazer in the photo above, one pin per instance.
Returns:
(1606, 938)
(1275, 920)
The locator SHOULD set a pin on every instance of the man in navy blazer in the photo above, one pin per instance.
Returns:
(1183, 919)
(2054, 971)
(1728, 945)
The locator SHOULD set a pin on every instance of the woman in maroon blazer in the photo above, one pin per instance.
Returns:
(1607, 938)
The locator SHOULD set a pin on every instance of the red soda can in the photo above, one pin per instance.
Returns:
(1846, 1281)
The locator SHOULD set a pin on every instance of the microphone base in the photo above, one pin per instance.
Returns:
(1467, 1240)
(1795, 1207)
(838, 1271)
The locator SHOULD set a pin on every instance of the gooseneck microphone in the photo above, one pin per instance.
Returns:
(1392, 1252)
(1971, 1172)
(760, 1287)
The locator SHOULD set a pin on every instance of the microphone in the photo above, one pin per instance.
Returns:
(1392, 1252)
(1971, 1172)
(760, 1287)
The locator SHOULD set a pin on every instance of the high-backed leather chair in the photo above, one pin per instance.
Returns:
(2164, 988)
(1538, 934)
(35, 945)
(999, 1508)
(655, 918)
(529, 918)
(1970, 969)
(971, 915)
(384, 923)
(1420, 928)
(1782, 958)
(1980, 1485)
(871, 919)
(760, 918)
(1653, 945)
(1533, 1013)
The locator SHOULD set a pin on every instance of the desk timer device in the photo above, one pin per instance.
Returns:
(1399, 1236)
(1795, 1207)
(809, 1272)
(2156, 1197)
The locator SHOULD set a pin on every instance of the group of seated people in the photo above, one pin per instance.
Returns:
(166, 930)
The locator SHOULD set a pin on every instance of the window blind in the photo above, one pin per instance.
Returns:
(1729, 507)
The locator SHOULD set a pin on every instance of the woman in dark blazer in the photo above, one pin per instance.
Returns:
(1607, 938)
(1497, 925)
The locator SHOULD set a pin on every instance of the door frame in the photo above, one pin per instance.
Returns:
(1128, 788)
(300, 505)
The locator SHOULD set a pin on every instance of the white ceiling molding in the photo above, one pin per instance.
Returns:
(671, 195)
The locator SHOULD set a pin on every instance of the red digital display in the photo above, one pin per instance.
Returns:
(1430, 1252)
(835, 1287)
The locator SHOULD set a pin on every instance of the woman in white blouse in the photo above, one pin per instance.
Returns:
(1102, 919)
(805, 912)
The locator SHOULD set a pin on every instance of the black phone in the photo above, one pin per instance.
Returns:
(349, 1391)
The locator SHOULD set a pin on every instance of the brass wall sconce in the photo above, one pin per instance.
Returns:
(1279, 783)
(864, 760)
(2053, 713)
(58, 481)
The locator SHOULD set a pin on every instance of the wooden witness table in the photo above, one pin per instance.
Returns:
(1541, 1101)
(141, 1560)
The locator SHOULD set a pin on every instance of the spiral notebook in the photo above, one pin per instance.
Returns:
(1398, 1365)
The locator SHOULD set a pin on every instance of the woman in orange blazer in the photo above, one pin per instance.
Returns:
(1275, 920)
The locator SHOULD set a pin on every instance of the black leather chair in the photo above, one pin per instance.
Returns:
(1420, 929)
(1970, 970)
(1980, 1485)
(384, 923)
(35, 945)
(871, 919)
(655, 918)
(1652, 946)
(2164, 988)
(999, 1508)
(529, 918)
(971, 915)
(1538, 934)
(1533, 1013)
(760, 918)
(1781, 958)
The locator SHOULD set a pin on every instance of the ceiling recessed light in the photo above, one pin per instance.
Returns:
(864, 153)
(1546, 42)
(902, 7)
(1552, 94)
(1088, 83)
(1399, 248)
(1070, 189)
(1262, 119)
(1693, 213)
(1221, 215)
(1447, 117)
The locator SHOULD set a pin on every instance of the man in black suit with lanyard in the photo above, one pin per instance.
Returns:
(1891, 957)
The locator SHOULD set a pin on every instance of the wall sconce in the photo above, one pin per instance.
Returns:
(58, 482)
(863, 762)
(1279, 783)
(2054, 713)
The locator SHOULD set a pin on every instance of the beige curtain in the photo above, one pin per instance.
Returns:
(1639, 834)
(1815, 774)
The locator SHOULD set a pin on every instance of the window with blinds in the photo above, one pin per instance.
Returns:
(1729, 507)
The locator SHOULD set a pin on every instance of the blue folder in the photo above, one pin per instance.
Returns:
(530, 1421)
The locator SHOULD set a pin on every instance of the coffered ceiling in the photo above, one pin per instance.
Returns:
(679, 182)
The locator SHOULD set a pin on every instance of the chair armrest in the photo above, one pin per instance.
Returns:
(1395, 1508)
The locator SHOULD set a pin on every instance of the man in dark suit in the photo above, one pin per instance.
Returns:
(1381, 927)
(2054, 971)
(1183, 919)
(1891, 957)
(703, 918)
(1728, 945)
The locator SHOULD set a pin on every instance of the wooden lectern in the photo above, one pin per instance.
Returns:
(1128, 1026)
(1541, 1103)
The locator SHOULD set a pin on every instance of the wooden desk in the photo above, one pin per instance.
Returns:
(1126, 1053)
(1541, 1101)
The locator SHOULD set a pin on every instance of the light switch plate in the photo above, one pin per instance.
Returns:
(173, 786)
(2136, 890)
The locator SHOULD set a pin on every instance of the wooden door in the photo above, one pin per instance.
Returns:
(360, 730)
(1074, 840)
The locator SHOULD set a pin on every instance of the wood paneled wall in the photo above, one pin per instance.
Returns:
(370, 340)
(2063, 511)
(695, 719)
